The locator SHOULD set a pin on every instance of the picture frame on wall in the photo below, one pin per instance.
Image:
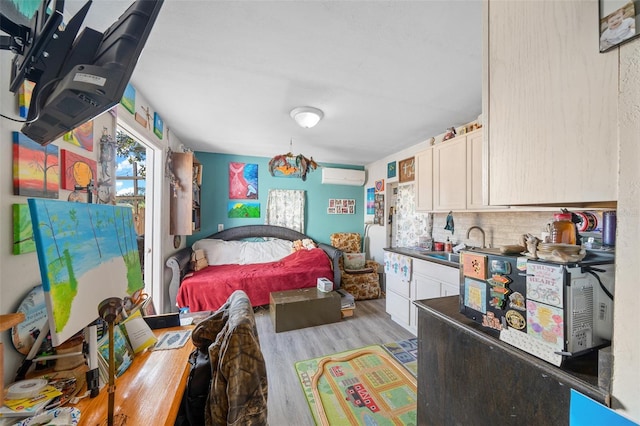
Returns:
(406, 170)
(618, 22)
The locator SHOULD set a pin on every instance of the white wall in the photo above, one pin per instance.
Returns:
(19, 273)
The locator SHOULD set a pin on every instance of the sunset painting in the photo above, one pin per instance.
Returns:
(35, 168)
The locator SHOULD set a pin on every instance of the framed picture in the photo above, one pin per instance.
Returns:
(618, 22)
(391, 170)
(407, 170)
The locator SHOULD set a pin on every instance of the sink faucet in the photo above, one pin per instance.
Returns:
(481, 231)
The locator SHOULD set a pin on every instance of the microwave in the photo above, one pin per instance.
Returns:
(551, 310)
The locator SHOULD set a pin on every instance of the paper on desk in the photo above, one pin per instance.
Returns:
(172, 340)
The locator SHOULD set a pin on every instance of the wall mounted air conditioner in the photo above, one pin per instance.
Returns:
(352, 177)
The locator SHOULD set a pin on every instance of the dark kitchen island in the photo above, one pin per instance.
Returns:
(467, 376)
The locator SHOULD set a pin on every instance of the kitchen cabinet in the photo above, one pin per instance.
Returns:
(450, 174)
(185, 194)
(428, 280)
(424, 180)
(550, 105)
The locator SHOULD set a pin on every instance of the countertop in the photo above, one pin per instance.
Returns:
(420, 254)
(582, 369)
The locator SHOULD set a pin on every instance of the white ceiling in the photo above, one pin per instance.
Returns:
(224, 75)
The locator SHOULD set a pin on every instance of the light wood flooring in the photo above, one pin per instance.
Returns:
(369, 325)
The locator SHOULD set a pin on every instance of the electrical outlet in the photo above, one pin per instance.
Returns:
(220, 227)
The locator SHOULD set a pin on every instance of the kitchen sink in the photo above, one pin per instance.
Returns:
(449, 257)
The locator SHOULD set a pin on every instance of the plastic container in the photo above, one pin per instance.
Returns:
(563, 230)
(609, 229)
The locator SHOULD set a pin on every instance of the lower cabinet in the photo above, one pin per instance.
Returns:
(428, 281)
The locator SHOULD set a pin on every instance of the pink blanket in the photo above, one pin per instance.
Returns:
(209, 288)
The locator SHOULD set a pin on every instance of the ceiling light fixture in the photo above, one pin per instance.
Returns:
(307, 117)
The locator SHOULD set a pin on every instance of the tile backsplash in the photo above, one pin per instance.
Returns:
(500, 228)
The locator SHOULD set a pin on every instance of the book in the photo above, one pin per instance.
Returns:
(123, 354)
(138, 333)
(27, 407)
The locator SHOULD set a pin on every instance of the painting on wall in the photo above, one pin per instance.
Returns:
(128, 100)
(81, 136)
(35, 168)
(238, 210)
(24, 97)
(89, 253)
(407, 170)
(22, 230)
(76, 170)
(370, 200)
(391, 170)
(158, 125)
(379, 185)
(243, 181)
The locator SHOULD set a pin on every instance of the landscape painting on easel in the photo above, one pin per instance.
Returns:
(87, 253)
(35, 168)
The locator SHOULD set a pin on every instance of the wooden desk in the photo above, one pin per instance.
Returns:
(149, 392)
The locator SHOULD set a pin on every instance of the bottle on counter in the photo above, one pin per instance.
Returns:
(563, 230)
(448, 246)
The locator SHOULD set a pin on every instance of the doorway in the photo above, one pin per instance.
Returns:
(138, 166)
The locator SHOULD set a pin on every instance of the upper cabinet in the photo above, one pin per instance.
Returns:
(424, 180)
(550, 104)
(450, 174)
(185, 194)
(458, 173)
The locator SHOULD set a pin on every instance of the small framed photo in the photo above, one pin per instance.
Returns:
(618, 22)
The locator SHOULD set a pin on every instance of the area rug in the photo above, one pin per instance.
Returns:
(365, 386)
(406, 353)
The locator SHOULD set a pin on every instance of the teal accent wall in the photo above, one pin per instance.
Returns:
(319, 225)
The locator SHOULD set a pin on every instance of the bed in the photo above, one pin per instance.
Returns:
(209, 288)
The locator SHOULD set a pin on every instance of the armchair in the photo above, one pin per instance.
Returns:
(363, 283)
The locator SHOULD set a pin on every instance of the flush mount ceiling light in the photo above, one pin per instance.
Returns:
(307, 117)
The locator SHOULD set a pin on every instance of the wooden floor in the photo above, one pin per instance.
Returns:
(370, 325)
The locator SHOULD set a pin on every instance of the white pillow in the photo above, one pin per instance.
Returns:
(264, 252)
(220, 252)
(353, 260)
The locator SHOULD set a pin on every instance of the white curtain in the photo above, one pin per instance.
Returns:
(285, 207)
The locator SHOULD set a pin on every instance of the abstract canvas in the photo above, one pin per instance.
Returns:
(76, 170)
(158, 125)
(128, 100)
(22, 230)
(243, 210)
(243, 181)
(35, 168)
(87, 253)
(81, 136)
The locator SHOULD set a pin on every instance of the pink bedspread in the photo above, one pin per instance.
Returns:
(210, 287)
